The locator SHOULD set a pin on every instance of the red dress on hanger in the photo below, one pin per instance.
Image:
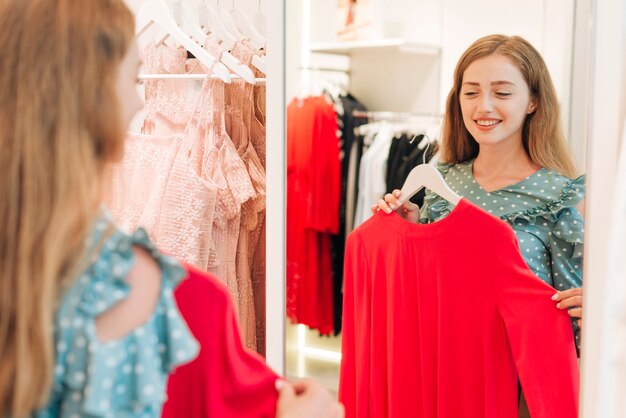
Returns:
(313, 194)
(226, 380)
(441, 320)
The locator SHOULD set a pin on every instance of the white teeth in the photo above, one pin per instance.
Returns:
(487, 122)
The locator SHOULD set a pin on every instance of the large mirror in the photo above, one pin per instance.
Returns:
(366, 89)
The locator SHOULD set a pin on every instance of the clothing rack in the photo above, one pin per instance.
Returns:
(258, 81)
(386, 115)
(326, 69)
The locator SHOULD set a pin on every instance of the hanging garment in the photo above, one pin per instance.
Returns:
(313, 192)
(442, 319)
(372, 174)
(242, 125)
(405, 155)
(224, 163)
(225, 380)
(157, 187)
(257, 240)
(541, 209)
(169, 104)
(349, 144)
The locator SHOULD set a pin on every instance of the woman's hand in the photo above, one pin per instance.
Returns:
(572, 300)
(409, 211)
(306, 399)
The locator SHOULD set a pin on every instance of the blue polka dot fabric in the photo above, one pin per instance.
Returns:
(542, 211)
(124, 378)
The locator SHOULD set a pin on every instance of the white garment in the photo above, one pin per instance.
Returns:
(372, 185)
(612, 375)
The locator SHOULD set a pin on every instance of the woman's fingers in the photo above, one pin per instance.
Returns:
(577, 291)
(570, 302)
(576, 312)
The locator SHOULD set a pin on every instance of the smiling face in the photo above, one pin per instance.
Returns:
(495, 100)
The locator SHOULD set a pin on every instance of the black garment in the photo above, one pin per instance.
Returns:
(338, 242)
(403, 158)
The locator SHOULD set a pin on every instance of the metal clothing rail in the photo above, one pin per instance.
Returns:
(326, 69)
(392, 115)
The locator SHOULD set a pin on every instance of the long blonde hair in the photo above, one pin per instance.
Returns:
(59, 123)
(542, 134)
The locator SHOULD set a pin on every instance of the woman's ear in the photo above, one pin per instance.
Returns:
(532, 106)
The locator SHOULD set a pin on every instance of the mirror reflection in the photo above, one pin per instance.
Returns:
(434, 175)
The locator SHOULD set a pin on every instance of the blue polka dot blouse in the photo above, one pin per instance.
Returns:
(124, 378)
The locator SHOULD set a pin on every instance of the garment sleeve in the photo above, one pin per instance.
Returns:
(566, 244)
(226, 380)
(540, 335)
(354, 375)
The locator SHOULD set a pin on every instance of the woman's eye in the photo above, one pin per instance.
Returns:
(470, 93)
(503, 93)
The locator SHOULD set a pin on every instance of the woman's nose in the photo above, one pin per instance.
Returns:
(485, 104)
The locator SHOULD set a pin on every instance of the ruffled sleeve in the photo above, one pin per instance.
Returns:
(565, 226)
(566, 231)
(436, 207)
(126, 377)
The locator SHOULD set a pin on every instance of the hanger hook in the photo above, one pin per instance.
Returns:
(426, 150)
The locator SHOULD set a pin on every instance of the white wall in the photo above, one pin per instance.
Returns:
(422, 83)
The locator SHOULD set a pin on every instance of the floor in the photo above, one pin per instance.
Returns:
(324, 367)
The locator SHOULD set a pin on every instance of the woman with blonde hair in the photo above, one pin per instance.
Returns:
(503, 149)
(88, 321)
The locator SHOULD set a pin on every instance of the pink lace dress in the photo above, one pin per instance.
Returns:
(158, 185)
(243, 127)
(258, 264)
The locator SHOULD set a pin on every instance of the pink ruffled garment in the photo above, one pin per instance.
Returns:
(158, 184)
(258, 263)
(223, 163)
(239, 124)
(244, 99)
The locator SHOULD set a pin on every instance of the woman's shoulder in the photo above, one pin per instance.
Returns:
(117, 270)
(113, 258)
(445, 167)
(547, 194)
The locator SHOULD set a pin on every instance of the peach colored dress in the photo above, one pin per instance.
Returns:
(158, 185)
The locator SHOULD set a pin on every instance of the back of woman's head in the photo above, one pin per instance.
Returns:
(542, 134)
(59, 123)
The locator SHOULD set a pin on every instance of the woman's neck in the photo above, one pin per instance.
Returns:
(501, 165)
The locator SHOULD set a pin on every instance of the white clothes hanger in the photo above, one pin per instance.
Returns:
(246, 27)
(226, 57)
(425, 175)
(187, 22)
(259, 21)
(157, 12)
(259, 63)
(229, 23)
(216, 28)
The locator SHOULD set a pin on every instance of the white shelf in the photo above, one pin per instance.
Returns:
(349, 48)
